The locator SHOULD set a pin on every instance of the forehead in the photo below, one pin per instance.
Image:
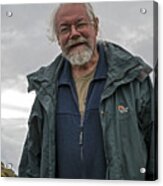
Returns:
(70, 12)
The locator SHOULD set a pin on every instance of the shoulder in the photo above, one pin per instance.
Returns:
(116, 50)
(122, 61)
(44, 74)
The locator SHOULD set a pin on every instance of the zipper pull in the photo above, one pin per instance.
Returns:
(81, 136)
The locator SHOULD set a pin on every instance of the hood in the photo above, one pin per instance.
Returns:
(45, 75)
(122, 63)
(122, 66)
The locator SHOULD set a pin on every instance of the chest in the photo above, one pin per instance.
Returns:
(86, 97)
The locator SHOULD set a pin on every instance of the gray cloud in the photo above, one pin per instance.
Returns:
(25, 46)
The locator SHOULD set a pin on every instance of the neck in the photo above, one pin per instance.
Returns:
(79, 71)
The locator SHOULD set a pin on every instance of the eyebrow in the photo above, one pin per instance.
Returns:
(66, 23)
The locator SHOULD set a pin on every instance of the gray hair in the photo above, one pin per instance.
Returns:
(52, 24)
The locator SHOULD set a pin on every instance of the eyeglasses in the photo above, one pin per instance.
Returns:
(79, 26)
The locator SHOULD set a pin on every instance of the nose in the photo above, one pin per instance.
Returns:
(74, 32)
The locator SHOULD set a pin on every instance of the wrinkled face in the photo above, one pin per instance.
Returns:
(76, 33)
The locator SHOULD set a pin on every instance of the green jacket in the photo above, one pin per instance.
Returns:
(126, 111)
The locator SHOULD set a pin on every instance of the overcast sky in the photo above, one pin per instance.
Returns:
(25, 46)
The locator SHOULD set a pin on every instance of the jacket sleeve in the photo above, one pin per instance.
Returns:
(148, 126)
(30, 161)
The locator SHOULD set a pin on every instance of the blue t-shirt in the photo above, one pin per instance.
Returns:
(80, 147)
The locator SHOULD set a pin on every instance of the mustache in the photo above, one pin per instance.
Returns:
(73, 42)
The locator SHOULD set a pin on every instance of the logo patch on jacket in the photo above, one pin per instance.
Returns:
(122, 109)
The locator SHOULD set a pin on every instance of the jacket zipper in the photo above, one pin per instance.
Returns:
(81, 139)
(81, 134)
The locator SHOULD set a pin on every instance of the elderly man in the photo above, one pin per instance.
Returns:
(92, 116)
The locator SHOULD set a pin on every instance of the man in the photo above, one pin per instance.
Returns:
(92, 117)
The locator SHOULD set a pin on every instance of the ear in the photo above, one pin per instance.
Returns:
(58, 40)
(96, 21)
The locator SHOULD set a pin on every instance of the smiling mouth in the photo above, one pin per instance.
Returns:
(76, 45)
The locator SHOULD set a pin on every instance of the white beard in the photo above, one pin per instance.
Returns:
(80, 58)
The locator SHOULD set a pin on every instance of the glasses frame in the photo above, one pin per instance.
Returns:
(79, 26)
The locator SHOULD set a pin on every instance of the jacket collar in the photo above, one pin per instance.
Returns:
(65, 76)
(122, 68)
(102, 66)
(121, 62)
(45, 76)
